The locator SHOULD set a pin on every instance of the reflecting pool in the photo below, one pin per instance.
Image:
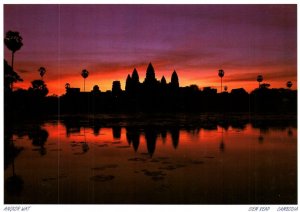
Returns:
(82, 162)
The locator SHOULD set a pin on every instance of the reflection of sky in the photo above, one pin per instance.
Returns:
(248, 170)
(196, 40)
(192, 140)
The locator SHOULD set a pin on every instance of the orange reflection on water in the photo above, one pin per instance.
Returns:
(153, 165)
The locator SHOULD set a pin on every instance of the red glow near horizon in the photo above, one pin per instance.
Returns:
(57, 86)
(195, 40)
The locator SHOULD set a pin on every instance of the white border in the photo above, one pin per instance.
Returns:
(135, 208)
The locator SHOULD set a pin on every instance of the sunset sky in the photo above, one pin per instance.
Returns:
(195, 40)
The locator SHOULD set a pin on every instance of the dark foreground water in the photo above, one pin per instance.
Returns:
(75, 161)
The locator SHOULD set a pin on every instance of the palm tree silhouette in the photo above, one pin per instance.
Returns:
(84, 74)
(42, 71)
(13, 41)
(259, 79)
(289, 84)
(221, 75)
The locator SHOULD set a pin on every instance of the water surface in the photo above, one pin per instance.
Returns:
(80, 162)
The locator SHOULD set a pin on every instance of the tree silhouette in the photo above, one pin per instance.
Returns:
(259, 79)
(84, 74)
(42, 71)
(13, 41)
(221, 75)
(67, 86)
(10, 76)
(96, 89)
(289, 84)
(39, 88)
(225, 88)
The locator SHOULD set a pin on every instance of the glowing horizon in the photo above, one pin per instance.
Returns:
(195, 40)
(105, 82)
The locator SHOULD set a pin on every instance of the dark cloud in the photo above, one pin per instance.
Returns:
(23, 71)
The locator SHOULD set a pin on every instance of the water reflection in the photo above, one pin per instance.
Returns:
(290, 132)
(116, 130)
(261, 137)
(164, 135)
(72, 125)
(175, 136)
(96, 130)
(85, 147)
(13, 183)
(172, 156)
(39, 137)
(222, 144)
(133, 137)
(151, 136)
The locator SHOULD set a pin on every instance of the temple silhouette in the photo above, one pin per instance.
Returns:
(153, 95)
(150, 95)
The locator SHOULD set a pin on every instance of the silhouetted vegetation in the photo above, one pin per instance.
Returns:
(13, 41)
(10, 77)
(14, 183)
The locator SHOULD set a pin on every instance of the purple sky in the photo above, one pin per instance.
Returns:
(196, 40)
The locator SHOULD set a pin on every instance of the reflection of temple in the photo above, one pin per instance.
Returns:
(133, 137)
(116, 132)
(166, 133)
(163, 133)
(72, 125)
(96, 130)
(175, 136)
(150, 136)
